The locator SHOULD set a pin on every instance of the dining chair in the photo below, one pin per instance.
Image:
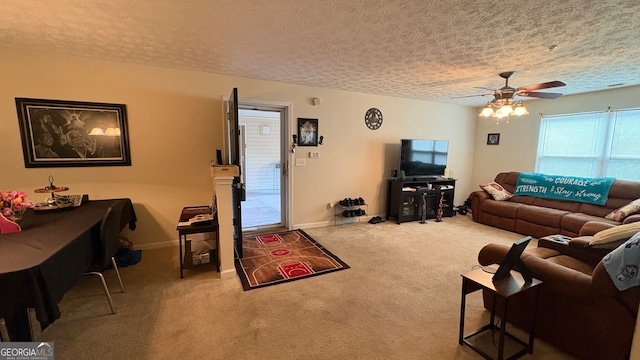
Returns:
(109, 245)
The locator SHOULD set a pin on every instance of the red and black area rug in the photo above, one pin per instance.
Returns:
(271, 259)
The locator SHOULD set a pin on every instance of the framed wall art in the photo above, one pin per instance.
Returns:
(307, 132)
(493, 139)
(57, 133)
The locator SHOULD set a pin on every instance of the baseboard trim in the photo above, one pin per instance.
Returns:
(156, 245)
(170, 243)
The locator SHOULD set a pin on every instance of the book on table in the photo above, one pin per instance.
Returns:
(196, 215)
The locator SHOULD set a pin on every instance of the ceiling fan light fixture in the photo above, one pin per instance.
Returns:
(506, 110)
(487, 111)
(520, 109)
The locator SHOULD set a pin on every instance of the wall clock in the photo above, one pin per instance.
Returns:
(373, 118)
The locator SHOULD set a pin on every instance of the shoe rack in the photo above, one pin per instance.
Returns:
(349, 208)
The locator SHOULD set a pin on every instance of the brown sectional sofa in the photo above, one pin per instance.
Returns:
(540, 217)
(580, 310)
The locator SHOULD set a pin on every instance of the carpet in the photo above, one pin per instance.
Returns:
(271, 259)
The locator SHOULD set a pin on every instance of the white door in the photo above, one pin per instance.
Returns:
(264, 158)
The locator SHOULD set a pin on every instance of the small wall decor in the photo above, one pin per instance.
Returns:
(307, 132)
(373, 118)
(58, 133)
(493, 139)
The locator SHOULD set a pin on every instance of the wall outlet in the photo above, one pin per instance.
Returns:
(301, 162)
(314, 154)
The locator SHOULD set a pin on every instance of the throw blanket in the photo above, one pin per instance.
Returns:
(587, 190)
(623, 262)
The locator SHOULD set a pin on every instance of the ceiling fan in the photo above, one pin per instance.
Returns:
(503, 104)
(507, 92)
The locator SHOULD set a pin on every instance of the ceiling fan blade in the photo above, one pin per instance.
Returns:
(484, 88)
(540, 95)
(546, 85)
(467, 96)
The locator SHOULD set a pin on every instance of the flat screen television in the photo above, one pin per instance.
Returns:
(423, 158)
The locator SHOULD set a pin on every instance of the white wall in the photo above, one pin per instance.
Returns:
(519, 138)
(175, 125)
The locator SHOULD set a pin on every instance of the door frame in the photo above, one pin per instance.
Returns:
(286, 145)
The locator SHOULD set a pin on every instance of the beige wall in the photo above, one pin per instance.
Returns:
(519, 138)
(175, 125)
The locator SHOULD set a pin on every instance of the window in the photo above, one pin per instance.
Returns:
(591, 144)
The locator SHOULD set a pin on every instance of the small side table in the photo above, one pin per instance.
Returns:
(479, 279)
(184, 230)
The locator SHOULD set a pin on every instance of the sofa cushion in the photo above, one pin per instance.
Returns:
(528, 200)
(572, 263)
(595, 210)
(621, 213)
(508, 180)
(504, 209)
(573, 222)
(542, 216)
(570, 206)
(615, 233)
(496, 190)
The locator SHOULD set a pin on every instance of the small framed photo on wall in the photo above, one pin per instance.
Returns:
(493, 139)
(307, 132)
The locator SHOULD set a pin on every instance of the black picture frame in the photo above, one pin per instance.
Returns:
(307, 132)
(493, 139)
(60, 133)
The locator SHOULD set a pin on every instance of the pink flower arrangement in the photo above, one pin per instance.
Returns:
(13, 204)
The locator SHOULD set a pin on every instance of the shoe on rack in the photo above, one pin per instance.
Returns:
(360, 201)
(343, 202)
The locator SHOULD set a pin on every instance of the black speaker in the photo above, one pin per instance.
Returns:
(219, 156)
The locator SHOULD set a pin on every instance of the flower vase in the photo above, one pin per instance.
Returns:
(8, 226)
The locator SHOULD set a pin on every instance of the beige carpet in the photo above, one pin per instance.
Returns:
(399, 300)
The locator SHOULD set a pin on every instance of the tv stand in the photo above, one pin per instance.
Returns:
(404, 197)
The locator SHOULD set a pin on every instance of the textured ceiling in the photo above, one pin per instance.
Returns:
(422, 49)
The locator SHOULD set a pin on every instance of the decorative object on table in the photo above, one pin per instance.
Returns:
(13, 204)
(373, 118)
(439, 214)
(59, 133)
(54, 202)
(276, 258)
(493, 139)
(307, 132)
(423, 219)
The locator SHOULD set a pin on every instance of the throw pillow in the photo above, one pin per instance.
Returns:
(496, 190)
(619, 214)
(615, 233)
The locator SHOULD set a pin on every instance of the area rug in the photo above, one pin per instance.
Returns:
(271, 259)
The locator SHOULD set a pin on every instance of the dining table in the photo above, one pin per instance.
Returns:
(40, 263)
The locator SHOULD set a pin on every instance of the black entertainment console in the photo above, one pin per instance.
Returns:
(405, 197)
